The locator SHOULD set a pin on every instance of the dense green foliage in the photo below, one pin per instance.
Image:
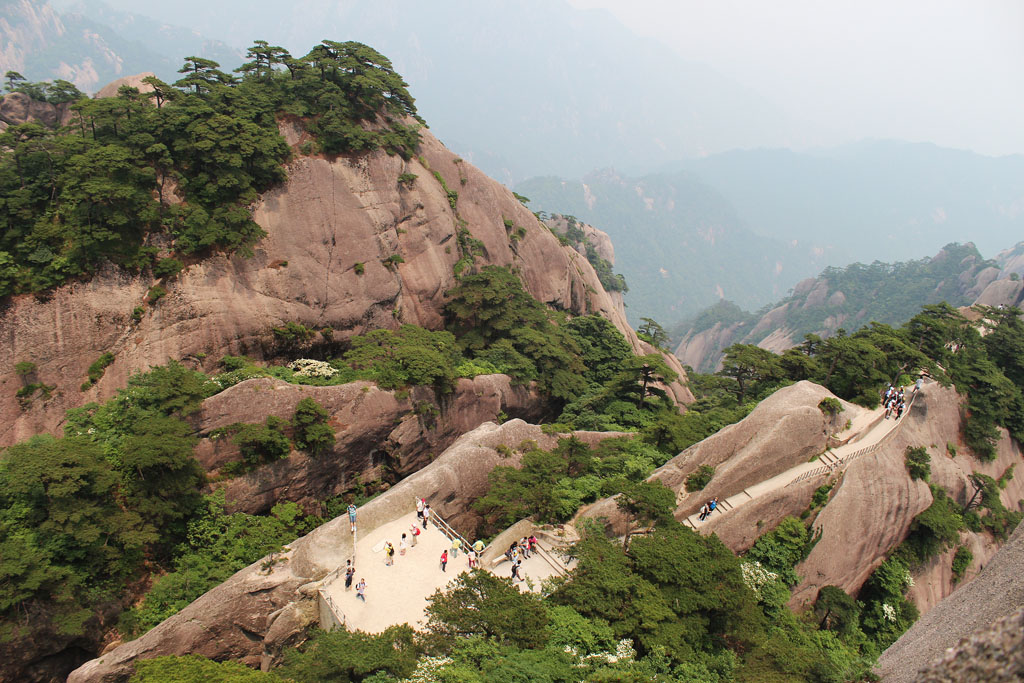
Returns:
(217, 545)
(918, 462)
(961, 562)
(195, 669)
(699, 478)
(573, 235)
(888, 293)
(309, 424)
(938, 340)
(80, 515)
(551, 485)
(73, 199)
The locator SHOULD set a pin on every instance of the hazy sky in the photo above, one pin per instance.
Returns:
(924, 70)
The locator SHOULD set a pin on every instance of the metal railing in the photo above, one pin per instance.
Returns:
(446, 529)
(339, 616)
(842, 463)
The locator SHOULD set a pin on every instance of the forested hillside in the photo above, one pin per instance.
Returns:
(888, 293)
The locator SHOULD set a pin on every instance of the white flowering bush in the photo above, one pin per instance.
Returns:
(757, 577)
(888, 612)
(307, 367)
(427, 669)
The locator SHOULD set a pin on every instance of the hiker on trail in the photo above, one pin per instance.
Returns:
(444, 560)
(532, 542)
(524, 547)
(704, 511)
(918, 383)
(456, 544)
(478, 546)
(352, 517)
(712, 505)
(426, 515)
(899, 410)
(471, 555)
(389, 554)
(350, 572)
(515, 571)
(420, 502)
(361, 590)
(402, 545)
(415, 531)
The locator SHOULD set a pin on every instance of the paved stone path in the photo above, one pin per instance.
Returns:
(875, 429)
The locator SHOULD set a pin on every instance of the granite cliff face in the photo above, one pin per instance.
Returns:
(329, 216)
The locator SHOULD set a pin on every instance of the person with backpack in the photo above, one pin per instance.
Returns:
(414, 531)
(444, 561)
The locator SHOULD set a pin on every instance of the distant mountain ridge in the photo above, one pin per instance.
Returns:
(43, 43)
(847, 298)
(678, 241)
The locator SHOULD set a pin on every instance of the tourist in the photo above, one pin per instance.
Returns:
(524, 547)
(426, 515)
(420, 502)
(478, 546)
(414, 531)
(456, 544)
(704, 511)
(918, 383)
(515, 571)
(402, 545)
(471, 554)
(352, 517)
(361, 590)
(712, 505)
(532, 542)
(350, 572)
(444, 561)
(389, 554)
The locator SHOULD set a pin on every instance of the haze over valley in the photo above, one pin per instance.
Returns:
(472, 341)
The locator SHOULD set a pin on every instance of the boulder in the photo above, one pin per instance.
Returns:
(372, 427)
(133, 81)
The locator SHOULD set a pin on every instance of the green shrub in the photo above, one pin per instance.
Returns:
(972, 521)
(407, 178)
(951, 449)
(830, 406)
(391, 261)
(961, 562)
(24, 368)
(168, 267)
(156, 292)
(359, 268)
(312, 433)
(933, 530)
(97, 369)
(137, 313)
(263, 443)
(700, 478)
(292, 334)
(918, 463)
(820, 496)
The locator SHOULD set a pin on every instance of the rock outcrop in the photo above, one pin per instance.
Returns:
(241, 619)
(17, 108)
(996, 593)
(373, 429)
(875, 501)
(329, 216)
(784, 430)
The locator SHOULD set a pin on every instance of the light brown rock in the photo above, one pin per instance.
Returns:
(133, 81)
(328, 216)
(372, 427)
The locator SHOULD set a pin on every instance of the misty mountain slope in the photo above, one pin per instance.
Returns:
(43, 43)
(883, 200)
(849, 298)
(678, 242)
(519, 88)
